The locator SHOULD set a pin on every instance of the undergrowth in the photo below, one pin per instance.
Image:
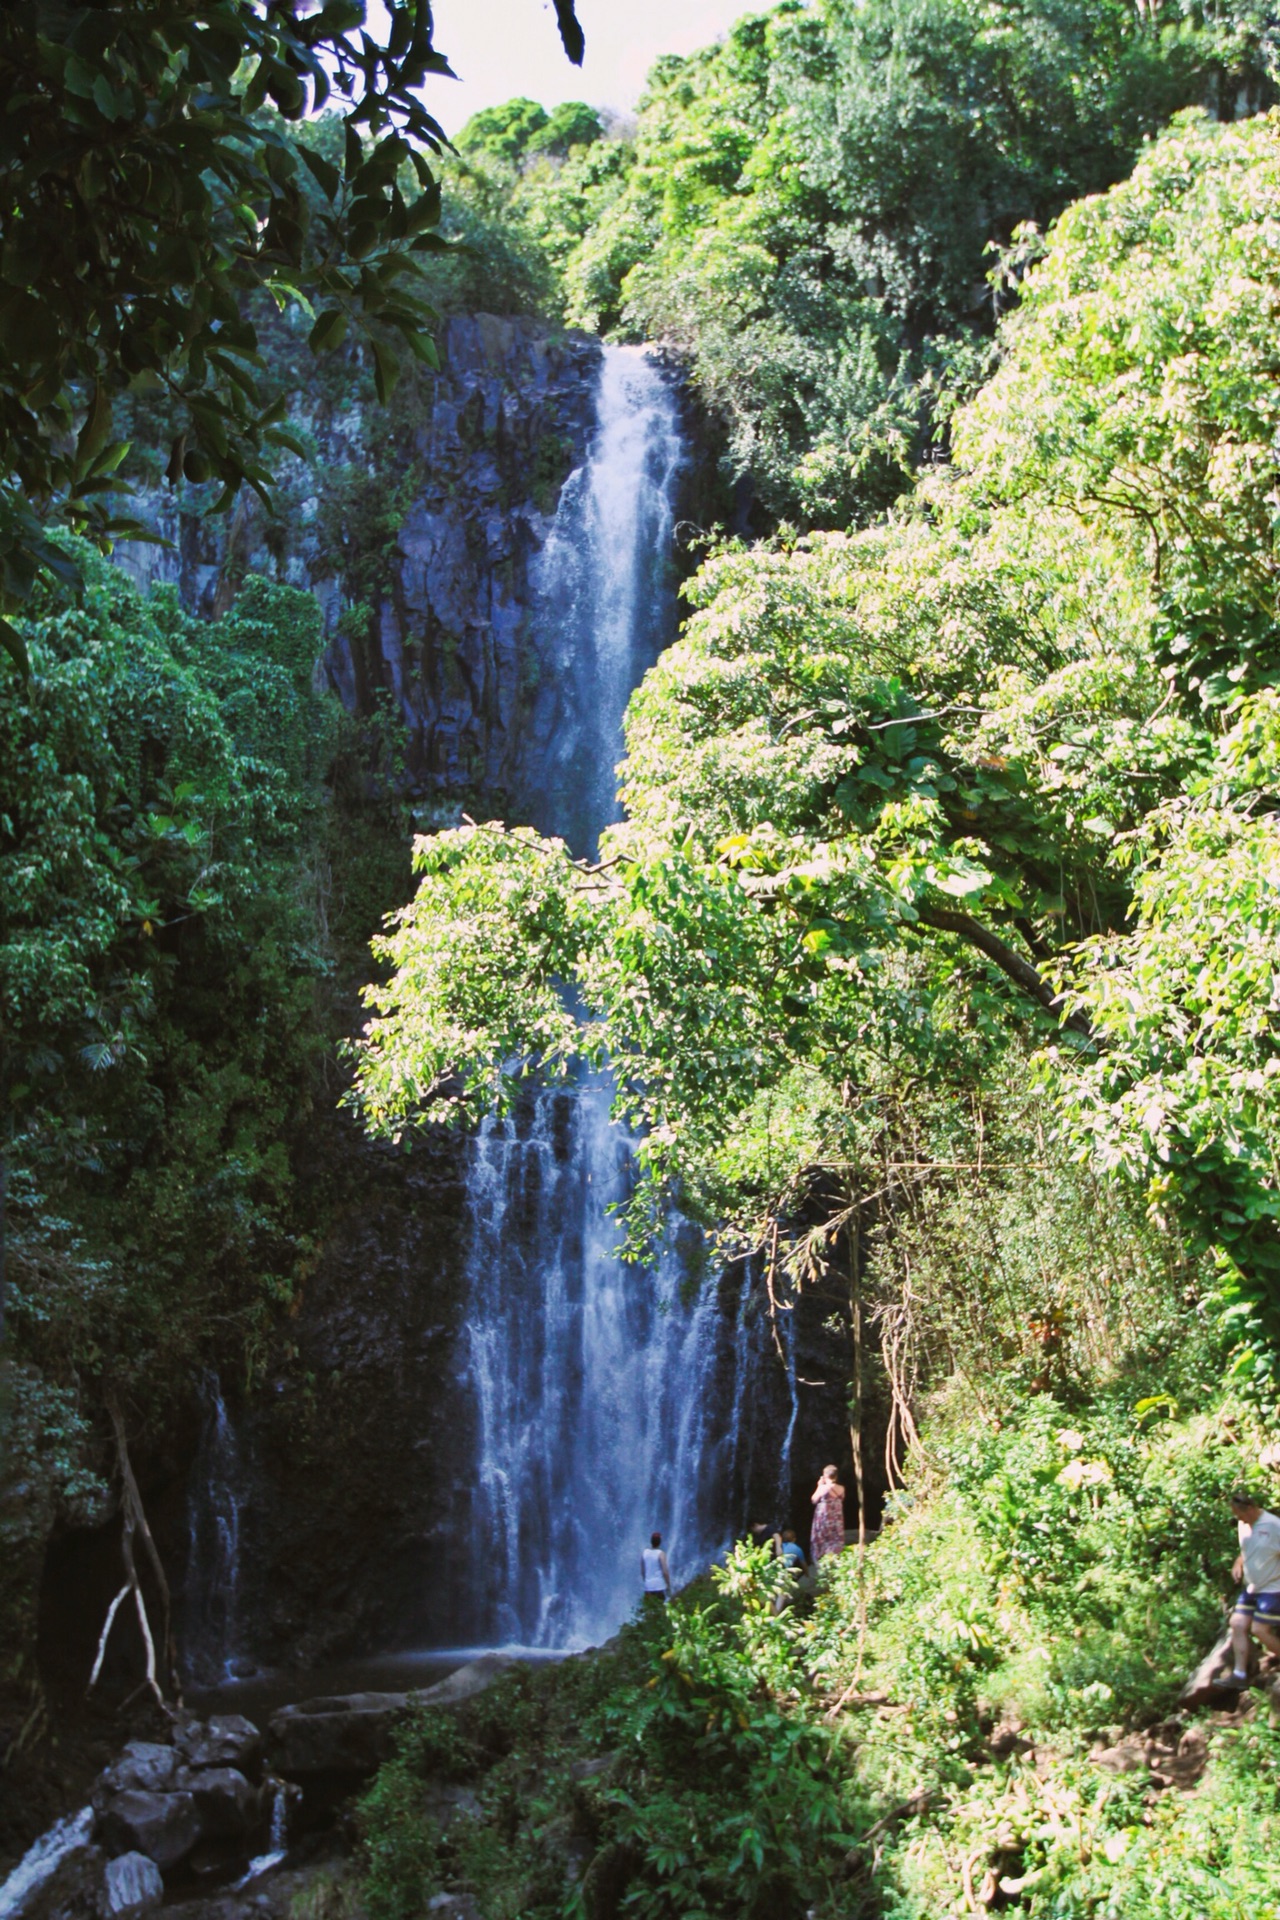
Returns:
(913, 1742)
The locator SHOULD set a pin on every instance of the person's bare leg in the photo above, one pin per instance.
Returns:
(1240, 1625)
(1265, 1633)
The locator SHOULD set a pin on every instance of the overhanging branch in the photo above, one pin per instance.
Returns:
(1010, 962)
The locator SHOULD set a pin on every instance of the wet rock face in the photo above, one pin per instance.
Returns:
(224, 1740)
(226, 1804)
(419, 553)
(348, 1453)
(163, 1826)
(144, 1766)
(351, 1733)
(132, 1885)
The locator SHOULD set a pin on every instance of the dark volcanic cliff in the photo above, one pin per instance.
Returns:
(415, 526)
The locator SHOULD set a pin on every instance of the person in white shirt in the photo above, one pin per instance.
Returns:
(1257, 1610)
(655, 1572)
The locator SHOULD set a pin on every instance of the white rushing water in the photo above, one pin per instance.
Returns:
(39, 1864)
(277, 1839)
(211, 1606)
(608, 1405)
(605, 592)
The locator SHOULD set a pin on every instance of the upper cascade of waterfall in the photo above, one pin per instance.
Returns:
(604, 592)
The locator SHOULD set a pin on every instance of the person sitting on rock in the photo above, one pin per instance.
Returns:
(793, 1552)
(1257, 1610)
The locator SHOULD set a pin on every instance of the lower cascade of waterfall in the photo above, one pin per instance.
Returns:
(609, 1404)
(277, 1838)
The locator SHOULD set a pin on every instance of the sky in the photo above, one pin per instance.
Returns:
(501, 48)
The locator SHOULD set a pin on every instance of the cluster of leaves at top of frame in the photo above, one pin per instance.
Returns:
(147, 194)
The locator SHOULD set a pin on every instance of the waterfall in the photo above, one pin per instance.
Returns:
(607, 1403)
(214, 1509)
(599, 1395)
(605, 600)
(20, 1893)
(277, 1835)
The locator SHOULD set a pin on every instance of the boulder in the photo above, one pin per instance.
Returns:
(351, 1732)
(1205, 1687)
(164, 1826)
(342, 1733)
(131, 1885)
(144, 1764)
(445, 1803)
(224, 1740)
(465, 1682)
(226, 1803)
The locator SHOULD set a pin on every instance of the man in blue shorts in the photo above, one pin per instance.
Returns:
(1257, 1610)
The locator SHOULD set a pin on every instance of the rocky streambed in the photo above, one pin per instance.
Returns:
(221, 1819)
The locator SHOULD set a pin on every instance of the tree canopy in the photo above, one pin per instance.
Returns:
(808, 210)
(946, 783)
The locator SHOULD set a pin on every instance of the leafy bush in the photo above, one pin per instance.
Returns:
(165, 943)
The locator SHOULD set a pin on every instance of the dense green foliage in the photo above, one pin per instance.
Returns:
(185, 858)
(146, 195)
(521, 128)
(807, 211)
(935, 954)
(922, 1733)
(891, 789)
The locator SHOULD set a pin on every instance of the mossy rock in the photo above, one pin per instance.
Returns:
(606, 1880)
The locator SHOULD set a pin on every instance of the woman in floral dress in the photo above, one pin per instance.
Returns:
(828, 1516)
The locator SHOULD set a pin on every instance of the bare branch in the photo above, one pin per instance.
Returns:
(1010, 962)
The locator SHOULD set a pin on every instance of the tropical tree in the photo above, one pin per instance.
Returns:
(890, 789)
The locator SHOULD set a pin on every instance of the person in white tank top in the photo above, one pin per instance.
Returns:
(655, 1572)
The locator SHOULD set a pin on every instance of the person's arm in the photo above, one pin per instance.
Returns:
(1237, 1570)
(666, 1571)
